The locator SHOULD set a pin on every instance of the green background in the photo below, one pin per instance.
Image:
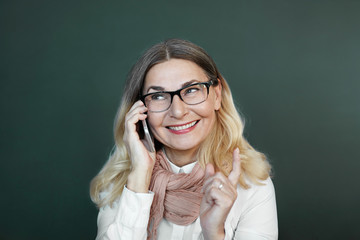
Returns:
(293, 67)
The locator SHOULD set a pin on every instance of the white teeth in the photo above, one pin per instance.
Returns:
(178, 128)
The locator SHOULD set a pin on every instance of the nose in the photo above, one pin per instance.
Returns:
(178, 108)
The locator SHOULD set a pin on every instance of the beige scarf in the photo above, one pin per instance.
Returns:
(177, 196)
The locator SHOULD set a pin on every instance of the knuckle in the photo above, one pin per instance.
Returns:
(219, 175)
(212, 190)
(127, 118)
(216, 183)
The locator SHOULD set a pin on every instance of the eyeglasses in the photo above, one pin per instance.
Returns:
(192, 94)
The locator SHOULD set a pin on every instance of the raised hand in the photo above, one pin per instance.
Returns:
(219, 196)
(142, 160)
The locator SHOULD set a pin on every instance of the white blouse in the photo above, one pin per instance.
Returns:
(252, 217)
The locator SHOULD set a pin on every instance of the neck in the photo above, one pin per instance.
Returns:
(179, 157)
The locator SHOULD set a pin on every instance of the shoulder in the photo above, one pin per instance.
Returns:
(106, 193)
(264, 187)
(254, 212)
(256, 194)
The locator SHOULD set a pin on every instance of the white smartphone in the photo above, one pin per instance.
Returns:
(148, 137)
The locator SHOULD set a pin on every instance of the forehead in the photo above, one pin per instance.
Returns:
(171, 74)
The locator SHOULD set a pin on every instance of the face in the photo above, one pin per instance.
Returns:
(182, 127)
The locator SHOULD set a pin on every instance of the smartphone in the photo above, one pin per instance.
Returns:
(148, 137)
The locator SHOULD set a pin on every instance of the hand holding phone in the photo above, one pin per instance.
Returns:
(148, 137)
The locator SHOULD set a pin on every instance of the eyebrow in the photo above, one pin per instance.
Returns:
(159, 88)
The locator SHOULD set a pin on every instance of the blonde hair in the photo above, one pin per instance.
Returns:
(218, 147)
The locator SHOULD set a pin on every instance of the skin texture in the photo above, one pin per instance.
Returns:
(170, 76)
(181, 145)
(216, 203)
(142, 160)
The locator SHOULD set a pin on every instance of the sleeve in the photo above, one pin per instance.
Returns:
(127, 218)
(258, 220)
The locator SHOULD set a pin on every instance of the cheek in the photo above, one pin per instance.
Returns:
(207, 109)
(207, 112)
(154, 121)
(211, 117)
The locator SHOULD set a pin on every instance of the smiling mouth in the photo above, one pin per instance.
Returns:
(183, 127)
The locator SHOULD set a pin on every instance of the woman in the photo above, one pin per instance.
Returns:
(204, 181)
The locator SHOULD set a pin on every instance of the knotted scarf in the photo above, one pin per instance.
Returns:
(177, 196)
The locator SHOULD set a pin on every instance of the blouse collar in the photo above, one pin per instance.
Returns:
(184, 169)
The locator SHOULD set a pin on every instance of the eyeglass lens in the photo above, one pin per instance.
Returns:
(161, 101)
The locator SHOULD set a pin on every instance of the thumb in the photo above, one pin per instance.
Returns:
(236, 170)
(209, 170)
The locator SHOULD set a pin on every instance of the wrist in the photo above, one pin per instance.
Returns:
(214, 235)
(139, 181)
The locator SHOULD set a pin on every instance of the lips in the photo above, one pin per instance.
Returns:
(184, 127)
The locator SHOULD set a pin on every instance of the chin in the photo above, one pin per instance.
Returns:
(183, 146)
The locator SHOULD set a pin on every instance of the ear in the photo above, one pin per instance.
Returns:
(218, 89)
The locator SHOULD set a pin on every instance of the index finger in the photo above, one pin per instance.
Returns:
(236, 170)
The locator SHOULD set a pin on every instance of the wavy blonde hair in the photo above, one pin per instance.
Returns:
(218, 147)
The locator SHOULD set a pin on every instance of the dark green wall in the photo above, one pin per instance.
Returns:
(293, 67)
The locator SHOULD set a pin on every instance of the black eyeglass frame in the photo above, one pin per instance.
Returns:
(212, 82)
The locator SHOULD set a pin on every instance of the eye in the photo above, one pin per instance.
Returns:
(158, 96)
(192, 89)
